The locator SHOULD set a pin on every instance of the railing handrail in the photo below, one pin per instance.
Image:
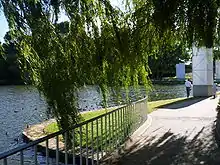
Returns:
(33, 143)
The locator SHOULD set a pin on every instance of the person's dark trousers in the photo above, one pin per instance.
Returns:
(188, 91)
(214, 96)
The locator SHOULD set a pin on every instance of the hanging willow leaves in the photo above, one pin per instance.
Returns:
(98, 45)
(101, 44)
(195, 21)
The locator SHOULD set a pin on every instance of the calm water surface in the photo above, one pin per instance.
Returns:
(22, 105)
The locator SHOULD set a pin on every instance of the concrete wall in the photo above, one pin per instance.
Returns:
(217, 69)
(202, 67)
(180, 71)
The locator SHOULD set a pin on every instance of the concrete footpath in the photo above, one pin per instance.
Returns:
(180, 134)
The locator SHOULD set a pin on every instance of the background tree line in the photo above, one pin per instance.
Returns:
(162, 63)
(9, 67)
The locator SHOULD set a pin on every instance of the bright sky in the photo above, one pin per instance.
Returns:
(63, 17)
(3, 26)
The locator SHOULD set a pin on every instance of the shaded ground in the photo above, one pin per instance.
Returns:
(183, 136)
(183, 103)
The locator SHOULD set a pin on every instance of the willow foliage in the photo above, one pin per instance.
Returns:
(96, 48)
(195, 21)
(101, 44)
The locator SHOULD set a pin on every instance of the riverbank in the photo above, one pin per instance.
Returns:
(168, 82)
(11, 82)
(50, 126)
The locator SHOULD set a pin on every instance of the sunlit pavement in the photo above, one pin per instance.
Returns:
(178, 134)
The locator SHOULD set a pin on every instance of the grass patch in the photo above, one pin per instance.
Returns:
(152, 106)
(114, 126)
(113, 132)
(53, 127)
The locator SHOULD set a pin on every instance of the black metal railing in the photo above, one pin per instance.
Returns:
(91, 140)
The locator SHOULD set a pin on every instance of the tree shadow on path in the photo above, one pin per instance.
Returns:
(183, 103)
(173, 149)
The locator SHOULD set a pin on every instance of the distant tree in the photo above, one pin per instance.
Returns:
(3, 64)
(63, 27)
(216, 53)
(10, 59)
(1, 49)
(163, 63)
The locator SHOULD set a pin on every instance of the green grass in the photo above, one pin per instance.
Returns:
(152, 106)
(112, 128)
(53, 127)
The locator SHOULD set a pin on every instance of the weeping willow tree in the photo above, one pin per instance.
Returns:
(102, 45)
(97, 48)
(194, 21)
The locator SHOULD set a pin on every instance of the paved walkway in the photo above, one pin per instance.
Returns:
(181, 134)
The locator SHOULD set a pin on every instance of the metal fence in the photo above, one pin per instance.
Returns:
(91, 140)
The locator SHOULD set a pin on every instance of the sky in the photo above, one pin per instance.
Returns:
(4, 25)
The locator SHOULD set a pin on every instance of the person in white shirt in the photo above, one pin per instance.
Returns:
(188, 85)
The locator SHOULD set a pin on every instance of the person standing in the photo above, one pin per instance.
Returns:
(188, 85)
(214, 90)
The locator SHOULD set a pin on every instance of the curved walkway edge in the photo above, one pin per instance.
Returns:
(181, 134)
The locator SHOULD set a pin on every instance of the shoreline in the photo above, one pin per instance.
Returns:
(36, 131)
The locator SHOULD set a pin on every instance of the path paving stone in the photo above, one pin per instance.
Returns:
(180, 134)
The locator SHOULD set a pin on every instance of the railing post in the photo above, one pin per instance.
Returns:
(101, 137)
(140, 115)
(106, 135)
(118, 135)
(5, 161)
(80, 143)
(126, 118)
(116, 129)
(146, 106)
(129, 120)
(137, 114)
(21, 158)
(73, 147)
(112, 131)
(87, 153)
(109, 128)
(134, 117)
(57, 150)
(121, 128)
(92, 146)
(65, 145)
(35, 154)
(97, 140)
(124, 124)
(47, 153)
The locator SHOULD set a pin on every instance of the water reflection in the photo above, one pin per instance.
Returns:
(20, 105)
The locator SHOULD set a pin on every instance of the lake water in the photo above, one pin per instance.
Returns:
(21, 105)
